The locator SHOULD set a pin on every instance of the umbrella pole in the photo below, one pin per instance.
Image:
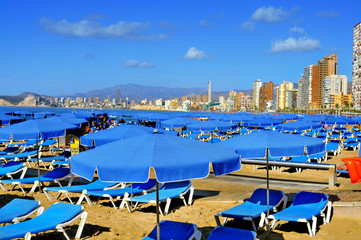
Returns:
(157, 210)
(267, 153)
(37, 156)
(58, 149)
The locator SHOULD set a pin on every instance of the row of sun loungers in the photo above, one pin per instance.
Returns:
(56, 217)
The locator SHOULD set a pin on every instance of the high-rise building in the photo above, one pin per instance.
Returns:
(305, 86)
(199, 98)
(356, 67)
(97, 100)
(90, 100)
(256, 90)
(117, 95)
(333, 85)
(265, 94)
(283, 100)
(185, 98)
(327, 66)
(205, 98)
(238, 100)
(209, 91)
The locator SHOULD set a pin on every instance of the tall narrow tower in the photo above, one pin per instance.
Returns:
(356, 67)
(209, 91)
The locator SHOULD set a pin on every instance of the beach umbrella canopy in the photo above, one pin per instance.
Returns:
(178, 122)
(254, 145)
(263, 122)
(211, 125)
(6, 119)
(113, 134)
(172, 158)
(339, 120)
(70, 120)
(35, 129)
(298, 125)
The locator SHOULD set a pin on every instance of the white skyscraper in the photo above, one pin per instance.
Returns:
(305, 88)
(256, 88)
(209, 91)
(333, 85)
(356, 67)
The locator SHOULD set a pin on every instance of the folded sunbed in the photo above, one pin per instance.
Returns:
(19, 209)
(55, 175)
(56, 217)
(176, 231)
(166, 193)
(254, 207)
(96, 185)
(220, 233)
(305, 207)
(135, 188)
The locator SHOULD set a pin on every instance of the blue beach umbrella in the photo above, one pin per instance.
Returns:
(35, 129)
(178, 122)
(113, 134)
(263, 122)
(211, 125)
(298, 125)
(269, 143)
(6, 119)
(172, 158)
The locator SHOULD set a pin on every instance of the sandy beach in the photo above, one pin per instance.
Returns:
(212, 195)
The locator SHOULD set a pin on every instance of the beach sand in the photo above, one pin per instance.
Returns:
(211, 196)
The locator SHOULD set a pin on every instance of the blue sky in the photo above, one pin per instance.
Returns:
(63, 47)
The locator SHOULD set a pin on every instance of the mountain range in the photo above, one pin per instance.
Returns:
(138, 92)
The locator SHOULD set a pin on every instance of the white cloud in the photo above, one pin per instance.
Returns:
(330, 14)
(136, 64)
(291, 44)
(270, 14)
(194, 53)
(146, 65)
(300, 30)
(86, 28)
(248, 26)
(203, 23)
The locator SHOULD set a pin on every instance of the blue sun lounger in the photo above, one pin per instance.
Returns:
(96, 185)
(44, 160)
(19, 209)
(9, 150)
(305, 207)
(111, 193)
(166, 193)
(334, 146)
(29, 143)
(220, 233)
(18, 156)
(254, 207)
(318, 157)
(12, 167)
(175, 231)
(55, 175)
(352, 143)
(56, 217)
(300, 159)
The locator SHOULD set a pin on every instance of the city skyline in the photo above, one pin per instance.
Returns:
(59, 47)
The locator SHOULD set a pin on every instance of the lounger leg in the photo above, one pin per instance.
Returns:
(310, 232)
(23, 173)
(191, 193)
(314, 225)
(33, 188)
(47, 195)
(61, 229)
(71, 180)
(124, 201)
(167, 205)
(27, 236)
(3, 187)
(197, 234)
(111, 200)
(67, 195)
(81, 225)
(253, 225)
(217, 220)
(328, 216)
(261, 221)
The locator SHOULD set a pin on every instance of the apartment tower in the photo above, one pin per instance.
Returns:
(256, 88)
(356, 67)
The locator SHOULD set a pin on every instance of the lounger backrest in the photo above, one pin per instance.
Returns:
(310, 198)
(177, 186)
(18, 207)
(57, 173)
(12, 163)
(57, 213)
(259, 196)
(150, 184)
